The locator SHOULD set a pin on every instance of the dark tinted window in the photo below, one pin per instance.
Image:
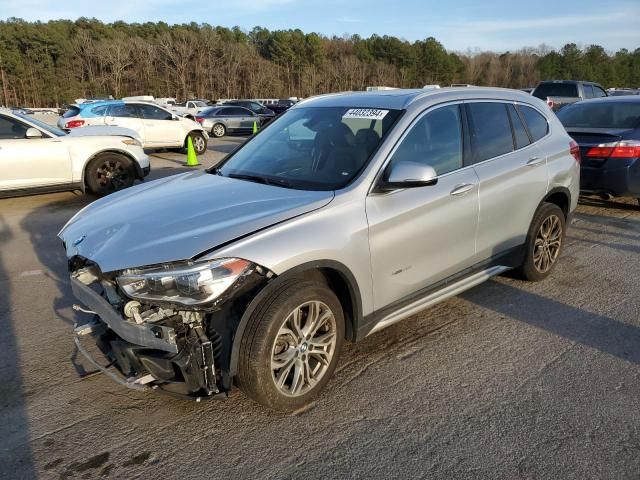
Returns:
(490, 131)
(435, 140)
(234, 112)
(11, 129)
(538, 126)
(588, 91)
(545, 90)
(124, 111)
(519, 132)
(72, 112)
(601, 115)
(154, 113)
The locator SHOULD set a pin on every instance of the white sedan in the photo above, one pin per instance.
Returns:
(37, 157)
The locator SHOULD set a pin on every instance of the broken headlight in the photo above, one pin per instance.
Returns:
(193, 284)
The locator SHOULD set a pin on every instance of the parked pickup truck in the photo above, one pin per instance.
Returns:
(560, 93)
(188, 109)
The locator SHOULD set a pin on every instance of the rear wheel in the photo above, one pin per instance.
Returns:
(218, 130)
(108, 173)
(291, 346)
(544, 243)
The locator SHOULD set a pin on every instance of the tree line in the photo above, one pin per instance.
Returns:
(46, 64)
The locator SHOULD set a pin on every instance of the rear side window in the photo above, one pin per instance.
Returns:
(99, 111)
(154, 113)
(490, 130)
(598, 92)
(545, 90)
(11, 129)
(72, 112)
(519, 132)
(124, 111)
(538, 125)
(588, 91)
(435, 140)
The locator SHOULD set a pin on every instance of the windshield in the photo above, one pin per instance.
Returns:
(545, 90)
(314, 148)
(42, 126)
(601, 115)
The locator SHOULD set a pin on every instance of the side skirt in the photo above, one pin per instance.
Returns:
(448, 291)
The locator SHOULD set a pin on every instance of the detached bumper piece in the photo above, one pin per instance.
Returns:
(168, 356)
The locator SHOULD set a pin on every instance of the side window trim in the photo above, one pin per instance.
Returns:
(526, 125)
(513, 130)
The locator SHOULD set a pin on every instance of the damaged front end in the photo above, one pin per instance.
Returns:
(169, 327)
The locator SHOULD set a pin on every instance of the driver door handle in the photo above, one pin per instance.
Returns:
(461, 189)
(533, 161)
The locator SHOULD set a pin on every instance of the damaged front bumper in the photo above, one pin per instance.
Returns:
(182, 353)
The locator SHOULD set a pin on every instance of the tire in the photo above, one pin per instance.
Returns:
(218, 130)
(272, 352)
(542, 253)
(108, 173)
(199, 143)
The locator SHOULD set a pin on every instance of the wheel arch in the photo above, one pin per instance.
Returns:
(124, 153)
(335, 275)
(560, 196)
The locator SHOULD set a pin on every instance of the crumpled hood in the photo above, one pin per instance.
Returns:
(179, 217)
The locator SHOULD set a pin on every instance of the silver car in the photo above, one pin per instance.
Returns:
(347, 214)
(223, 120)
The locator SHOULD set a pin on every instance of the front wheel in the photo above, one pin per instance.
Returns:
(291, 346)
(544, 243)
(108, 173)
(199, 143)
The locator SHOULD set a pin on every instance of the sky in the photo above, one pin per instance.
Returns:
(459, 25)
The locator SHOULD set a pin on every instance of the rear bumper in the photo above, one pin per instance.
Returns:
(623, 181)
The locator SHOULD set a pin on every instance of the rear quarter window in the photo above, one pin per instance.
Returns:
(72, 112)
(536, 122)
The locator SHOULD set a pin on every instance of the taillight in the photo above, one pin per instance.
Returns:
(574, 148)
(200, 119)
(623, 149)
(550, 103)
(74, 124)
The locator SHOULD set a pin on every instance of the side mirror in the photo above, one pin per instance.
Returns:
(175, 117)
(409, 175)
(33, 133)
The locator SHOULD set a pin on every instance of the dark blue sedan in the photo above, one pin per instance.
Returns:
(608, 132)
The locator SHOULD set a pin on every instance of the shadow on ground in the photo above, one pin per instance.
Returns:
(604, 334)
(15, 450)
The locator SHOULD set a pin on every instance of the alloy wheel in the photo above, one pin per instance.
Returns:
(218, 130)
(112, 175)
(303, 348)
(547, 245)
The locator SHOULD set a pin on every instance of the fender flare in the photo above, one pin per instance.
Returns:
(343, 270)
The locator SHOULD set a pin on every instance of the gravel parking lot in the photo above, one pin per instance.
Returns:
(509, 380)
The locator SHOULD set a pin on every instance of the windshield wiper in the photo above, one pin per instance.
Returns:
(258, 179)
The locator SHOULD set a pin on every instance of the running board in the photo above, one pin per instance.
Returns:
(447, 292)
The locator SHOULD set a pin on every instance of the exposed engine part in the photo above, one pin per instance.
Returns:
(78, 308)
(132, 310)
(87, 275)
(191, 317)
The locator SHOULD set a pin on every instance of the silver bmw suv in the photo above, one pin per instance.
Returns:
(345, 215)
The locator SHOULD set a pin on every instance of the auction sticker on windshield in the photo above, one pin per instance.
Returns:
(366, 113)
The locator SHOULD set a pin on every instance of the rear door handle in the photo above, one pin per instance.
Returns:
(461, 189)
(533, 161)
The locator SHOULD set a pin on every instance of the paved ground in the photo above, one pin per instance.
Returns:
(510, 380)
